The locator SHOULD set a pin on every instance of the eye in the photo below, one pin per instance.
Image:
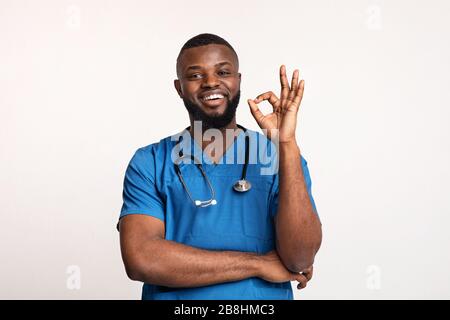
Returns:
(194, 76)
(224, 73)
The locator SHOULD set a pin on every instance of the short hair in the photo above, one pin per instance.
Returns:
(204, 39)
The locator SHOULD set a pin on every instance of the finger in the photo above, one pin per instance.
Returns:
(308, 273)
(254, 109)
(302, 281)
(271, 97)
(284, 84)
(265, 96)
(294, 83)
(299, 95)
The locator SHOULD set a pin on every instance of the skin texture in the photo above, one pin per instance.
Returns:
(149, 258)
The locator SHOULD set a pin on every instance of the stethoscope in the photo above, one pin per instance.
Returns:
(242, 185)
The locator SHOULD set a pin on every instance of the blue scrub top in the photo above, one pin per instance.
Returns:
(239, 221)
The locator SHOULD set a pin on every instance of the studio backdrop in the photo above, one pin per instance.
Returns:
(83, 84)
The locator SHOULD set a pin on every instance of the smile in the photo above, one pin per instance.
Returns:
(213, 97)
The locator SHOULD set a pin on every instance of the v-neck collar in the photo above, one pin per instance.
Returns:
(223, 157)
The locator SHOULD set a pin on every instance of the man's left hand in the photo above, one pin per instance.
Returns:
(282, 122)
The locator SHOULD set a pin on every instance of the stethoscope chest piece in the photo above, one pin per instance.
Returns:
(242, 186)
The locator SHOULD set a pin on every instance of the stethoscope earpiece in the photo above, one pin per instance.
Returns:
(205, 203)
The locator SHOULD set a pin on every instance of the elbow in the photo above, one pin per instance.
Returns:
(299, 266)
(146, 271)
(133, 271)
(133, 276)
(138, 270)
(298, 262)
(304, 258)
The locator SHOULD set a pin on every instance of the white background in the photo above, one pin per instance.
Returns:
(83, 84)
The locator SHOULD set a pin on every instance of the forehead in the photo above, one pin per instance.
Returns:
(206, 56)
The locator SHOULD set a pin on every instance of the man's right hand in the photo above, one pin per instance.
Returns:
(273, 270)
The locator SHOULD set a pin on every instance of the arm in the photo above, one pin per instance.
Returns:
(298, 229)
(149, 258)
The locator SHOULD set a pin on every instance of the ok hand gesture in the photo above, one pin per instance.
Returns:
(284, 116)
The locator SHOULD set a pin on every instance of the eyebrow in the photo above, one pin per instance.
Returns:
(196, 67)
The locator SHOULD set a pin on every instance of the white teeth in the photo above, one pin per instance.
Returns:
(213, 96)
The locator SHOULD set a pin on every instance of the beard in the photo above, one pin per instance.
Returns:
(215, 121)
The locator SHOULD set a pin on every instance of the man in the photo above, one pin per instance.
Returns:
(242, 245)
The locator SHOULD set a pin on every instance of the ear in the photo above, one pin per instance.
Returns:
(177, 85)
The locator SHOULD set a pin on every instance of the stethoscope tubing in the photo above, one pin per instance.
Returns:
(241, 186)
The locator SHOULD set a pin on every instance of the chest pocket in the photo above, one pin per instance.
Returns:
(258, 222)
(237, 217)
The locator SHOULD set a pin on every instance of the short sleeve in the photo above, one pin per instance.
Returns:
(274, 196)
(140, 194)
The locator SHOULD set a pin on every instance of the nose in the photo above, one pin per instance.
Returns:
(210, 81)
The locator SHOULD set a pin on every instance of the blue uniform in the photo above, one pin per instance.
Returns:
(239, 221)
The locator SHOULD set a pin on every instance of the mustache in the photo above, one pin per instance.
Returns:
(213, 121)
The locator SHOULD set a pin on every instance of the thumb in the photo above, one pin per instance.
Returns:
(254, 109)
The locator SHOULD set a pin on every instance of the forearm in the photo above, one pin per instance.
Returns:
(298, 229)
(172, 264)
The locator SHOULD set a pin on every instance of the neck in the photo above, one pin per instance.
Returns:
(204, 143)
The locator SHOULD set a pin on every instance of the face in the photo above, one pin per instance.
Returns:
(209, 84)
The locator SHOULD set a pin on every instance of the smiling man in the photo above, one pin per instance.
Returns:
(251, 237)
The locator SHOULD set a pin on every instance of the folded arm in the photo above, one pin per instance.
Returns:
(149, 258)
